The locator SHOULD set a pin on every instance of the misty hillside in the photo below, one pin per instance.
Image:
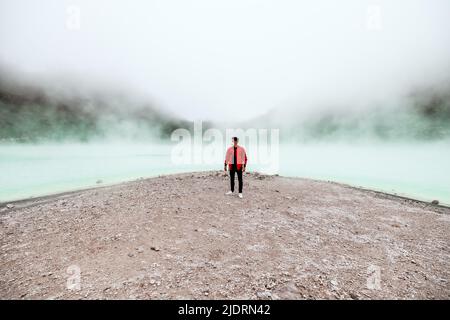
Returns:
(424, 115)
(29, 114)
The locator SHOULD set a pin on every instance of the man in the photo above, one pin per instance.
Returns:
(236, 159)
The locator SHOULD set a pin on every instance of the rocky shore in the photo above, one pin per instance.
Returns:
(179, 236)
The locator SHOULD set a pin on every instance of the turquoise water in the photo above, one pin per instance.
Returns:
(417, 170)
(36, 170)
(420, 171)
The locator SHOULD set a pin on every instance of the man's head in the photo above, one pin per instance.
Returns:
(235, 141)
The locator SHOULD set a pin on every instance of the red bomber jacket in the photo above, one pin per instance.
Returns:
(241, 157)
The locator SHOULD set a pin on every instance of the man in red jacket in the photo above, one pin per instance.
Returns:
(236, 159)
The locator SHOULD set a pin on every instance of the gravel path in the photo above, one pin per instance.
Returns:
(179, 236)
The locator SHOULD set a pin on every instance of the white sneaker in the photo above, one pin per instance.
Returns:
(229, 193)
(240, 195)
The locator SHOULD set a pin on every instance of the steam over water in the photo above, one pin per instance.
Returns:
(51, 144)
(416, 170)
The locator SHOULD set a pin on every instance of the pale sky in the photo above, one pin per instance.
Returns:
(208, 59)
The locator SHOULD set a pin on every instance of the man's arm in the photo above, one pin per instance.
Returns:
(245, 161)
(225, 163)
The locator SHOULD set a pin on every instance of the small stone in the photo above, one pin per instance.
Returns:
(354, 296)
(131, 255)
(140, 249)
(435, 202)
(99, 181)
(264, 295)
(154, 248)
(9, 206)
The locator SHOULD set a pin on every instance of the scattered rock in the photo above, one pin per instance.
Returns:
(140, 249)
(435, 202)
(154, 248)
(354, 296)
(265, 295)
(9, 206)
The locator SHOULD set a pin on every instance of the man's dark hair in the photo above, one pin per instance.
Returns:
(235, 139)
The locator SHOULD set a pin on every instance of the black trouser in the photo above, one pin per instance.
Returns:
(239, 174)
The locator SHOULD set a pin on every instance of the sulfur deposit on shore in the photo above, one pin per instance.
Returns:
(179, 236)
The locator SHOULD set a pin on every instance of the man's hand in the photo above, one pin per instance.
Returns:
(243, 168)
(225, 168)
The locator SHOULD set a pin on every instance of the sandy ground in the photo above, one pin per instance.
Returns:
(179, 236)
